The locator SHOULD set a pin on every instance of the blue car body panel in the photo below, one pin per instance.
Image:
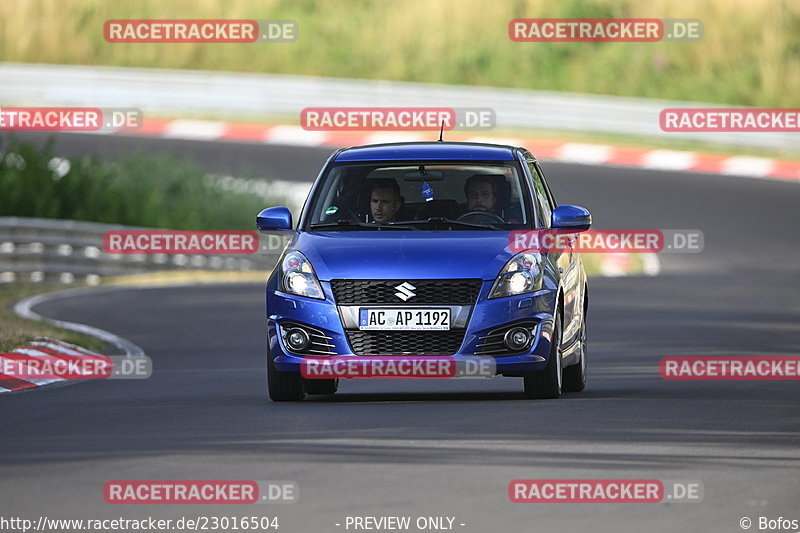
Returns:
(427, 151)
(405, 254)
(429, 255)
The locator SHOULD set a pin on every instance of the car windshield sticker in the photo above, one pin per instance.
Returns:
(427, 192)
(331, 210)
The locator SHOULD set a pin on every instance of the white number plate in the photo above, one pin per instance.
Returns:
(404, 319)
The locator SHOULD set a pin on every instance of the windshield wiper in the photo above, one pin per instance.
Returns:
(451, 222)
(361, 225)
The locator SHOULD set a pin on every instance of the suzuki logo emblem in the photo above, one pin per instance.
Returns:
(405, 291)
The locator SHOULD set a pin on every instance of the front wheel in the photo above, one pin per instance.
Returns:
(546, 384)
(283, 386)
(575, 376)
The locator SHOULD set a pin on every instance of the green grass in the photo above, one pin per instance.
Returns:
(138, 190)
(748, 56)
(16, 331)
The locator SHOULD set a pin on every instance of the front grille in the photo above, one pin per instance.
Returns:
(427, 291)
(405, 342)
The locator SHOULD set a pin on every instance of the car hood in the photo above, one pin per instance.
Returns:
(404, 254)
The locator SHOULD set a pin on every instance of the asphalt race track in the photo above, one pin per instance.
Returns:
(448, 448)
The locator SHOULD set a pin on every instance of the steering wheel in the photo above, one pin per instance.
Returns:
(351, 213)
(476, 216)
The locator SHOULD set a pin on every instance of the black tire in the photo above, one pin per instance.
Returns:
(546, 384)
(575, 375)
(283, 386)
(321, 386)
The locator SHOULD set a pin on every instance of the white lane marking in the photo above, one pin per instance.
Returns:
(29, 351)
(24, 307)
(63, 350)
(585, 153)
(651, 264)
(294, 136)
(64, 347)
(741, 165)
(669, 160)
(65, 344)
(194, 129)
(569, 152)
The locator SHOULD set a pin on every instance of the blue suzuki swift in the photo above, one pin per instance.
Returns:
(425, 227)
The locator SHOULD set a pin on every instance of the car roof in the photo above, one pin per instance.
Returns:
(429, 150)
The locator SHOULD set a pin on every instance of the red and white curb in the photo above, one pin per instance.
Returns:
(545, 149)
(42, 350)
(56, 349)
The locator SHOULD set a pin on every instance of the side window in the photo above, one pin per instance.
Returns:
(553, 203)
(544, 208)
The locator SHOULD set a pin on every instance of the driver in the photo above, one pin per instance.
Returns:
(480, 193)
(385, 201)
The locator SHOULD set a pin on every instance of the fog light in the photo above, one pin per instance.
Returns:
(517, 338)
(297, 339)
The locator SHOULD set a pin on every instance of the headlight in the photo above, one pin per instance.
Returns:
(520, 275)
(298, 277)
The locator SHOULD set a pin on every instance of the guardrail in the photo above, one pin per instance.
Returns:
(48, 250)
(183, 93)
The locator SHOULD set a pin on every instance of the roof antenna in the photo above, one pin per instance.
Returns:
(441, 132)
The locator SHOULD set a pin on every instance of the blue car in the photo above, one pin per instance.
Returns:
(425, 227)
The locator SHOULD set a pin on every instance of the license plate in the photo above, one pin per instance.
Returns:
(404, 319)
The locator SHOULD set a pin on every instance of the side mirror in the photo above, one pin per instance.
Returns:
(274, 219)
(571, 217)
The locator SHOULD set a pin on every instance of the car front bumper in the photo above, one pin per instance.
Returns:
(484, 316)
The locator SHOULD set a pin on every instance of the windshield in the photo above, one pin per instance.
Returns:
(420, 196)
